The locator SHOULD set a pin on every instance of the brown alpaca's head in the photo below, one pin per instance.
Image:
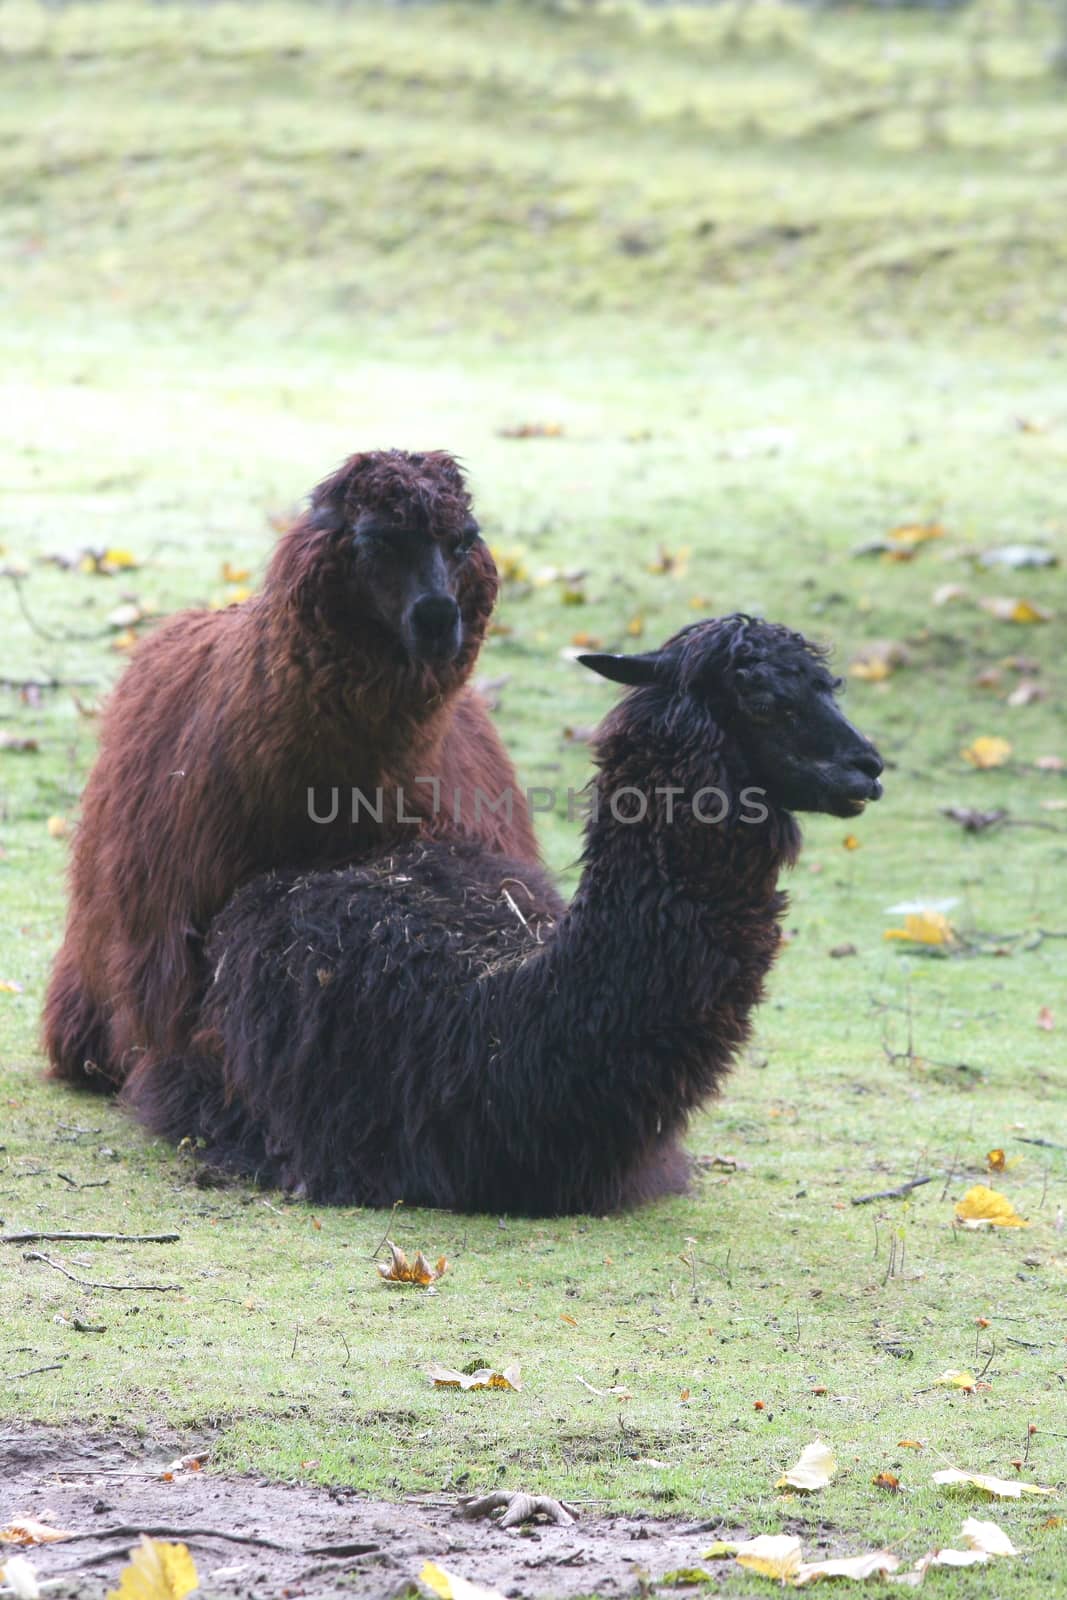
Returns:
(390, 553)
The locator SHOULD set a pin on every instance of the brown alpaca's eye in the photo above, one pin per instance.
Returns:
(467, 539)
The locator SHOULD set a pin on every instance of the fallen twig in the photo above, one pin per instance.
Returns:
(894, 1194)
(89, 1238)
(49, 683)
(65, 636)
(96, 1283)
(167, 1531)
(16, 1377)
(1046, 1144)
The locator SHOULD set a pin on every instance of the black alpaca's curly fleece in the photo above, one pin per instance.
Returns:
(437, 1027)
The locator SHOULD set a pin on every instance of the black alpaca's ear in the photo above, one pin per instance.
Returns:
(631, 670)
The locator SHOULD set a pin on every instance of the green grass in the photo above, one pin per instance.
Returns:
(238, 242)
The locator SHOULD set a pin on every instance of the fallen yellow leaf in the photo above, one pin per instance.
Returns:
(814, 1470)
(233, 574)
(57, 827)
(484, 1378)
(156, 1572)
(27, 1531)
(1008, 609)
(510, 564)
(450, 1586)
(984, 1208)
(924, 927)
(398, 1269)
(957, 1378)
(917, 532)
(850, 842)
(773, 1555)
(996, 1160)
(988, 751)
(999, 1488)
(870, 669)
(877, 659)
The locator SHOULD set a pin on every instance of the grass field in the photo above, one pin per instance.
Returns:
(771, 285)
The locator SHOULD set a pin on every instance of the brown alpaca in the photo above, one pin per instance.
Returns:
(225, 738)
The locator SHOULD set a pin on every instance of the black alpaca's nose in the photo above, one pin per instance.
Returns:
(870, 762)
(435, 622)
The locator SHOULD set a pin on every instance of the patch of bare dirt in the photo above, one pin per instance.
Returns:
(316, 1543)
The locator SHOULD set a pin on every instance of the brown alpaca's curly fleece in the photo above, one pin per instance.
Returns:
(222, 723)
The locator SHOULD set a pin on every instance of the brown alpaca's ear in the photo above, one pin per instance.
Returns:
(328, 500)
(631, 670)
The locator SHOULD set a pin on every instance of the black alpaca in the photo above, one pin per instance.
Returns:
(438, 1027)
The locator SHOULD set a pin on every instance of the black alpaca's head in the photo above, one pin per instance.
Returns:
(769, 692)
(403, 555)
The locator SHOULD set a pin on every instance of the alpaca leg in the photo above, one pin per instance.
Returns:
(76, 1034)
(664, 1171)
(183, 1098)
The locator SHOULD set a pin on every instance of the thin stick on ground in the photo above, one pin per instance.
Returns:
(89, 1238)
(898, 1193)
(97, 1283)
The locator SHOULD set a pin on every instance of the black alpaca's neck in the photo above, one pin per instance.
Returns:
(638, 1004)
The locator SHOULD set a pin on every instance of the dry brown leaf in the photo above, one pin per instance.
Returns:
(531, 430)
(987, 1536)
(996, 1160)
(999, 1488)
(945, 593)
(814, 1470)
(398, 1269)
(1046, 1019)
(672, 563)
(157, 1572)
(20, 1578)
(190, 1463)
(956, 1558)
(985, 1208)
(28, 1531)
(17, 742)
(875, 1563)
(886, 1480)
(483, 1378)
(1027, 693)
